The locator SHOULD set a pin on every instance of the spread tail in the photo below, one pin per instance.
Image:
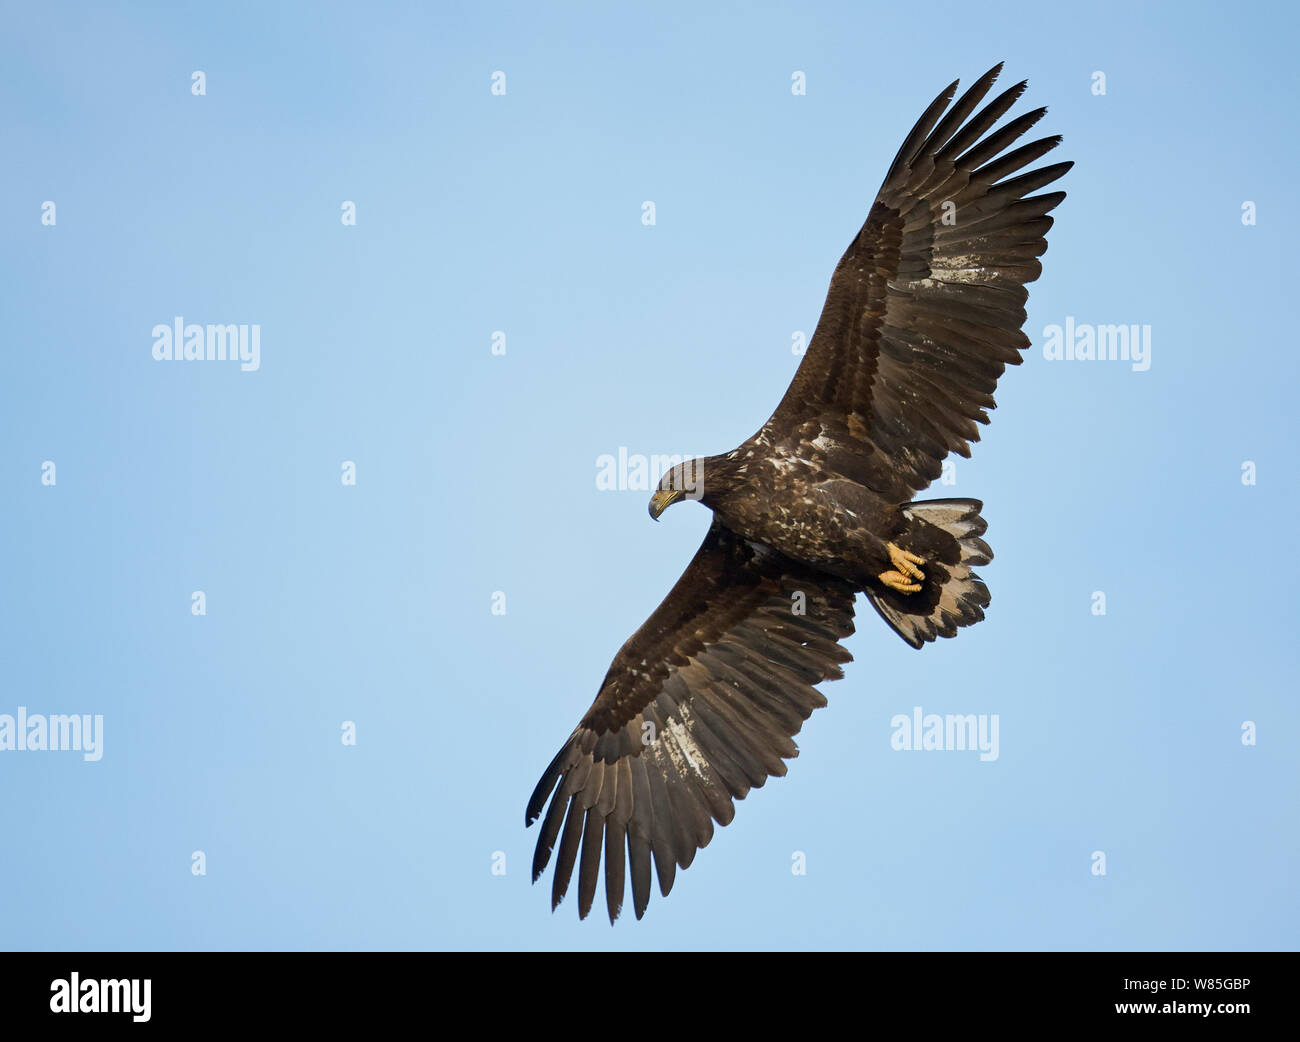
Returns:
(946, 533)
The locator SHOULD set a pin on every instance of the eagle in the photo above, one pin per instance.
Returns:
(702, 703)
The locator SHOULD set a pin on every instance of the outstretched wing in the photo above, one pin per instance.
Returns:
(700, 705)
(925, 307)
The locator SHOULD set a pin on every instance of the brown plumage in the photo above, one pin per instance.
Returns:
(924, 311)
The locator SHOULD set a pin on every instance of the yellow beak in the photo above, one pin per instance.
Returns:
(662, 500)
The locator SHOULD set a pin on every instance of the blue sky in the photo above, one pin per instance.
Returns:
(476, 473)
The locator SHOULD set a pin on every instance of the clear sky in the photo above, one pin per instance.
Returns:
(475, 473)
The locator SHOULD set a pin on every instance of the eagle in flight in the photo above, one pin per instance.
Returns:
(924, 310)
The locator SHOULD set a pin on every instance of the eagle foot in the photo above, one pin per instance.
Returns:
(908, 577)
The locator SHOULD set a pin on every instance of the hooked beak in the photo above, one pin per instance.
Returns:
(662, 500)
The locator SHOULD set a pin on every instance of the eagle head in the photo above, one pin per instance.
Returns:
(684, 481)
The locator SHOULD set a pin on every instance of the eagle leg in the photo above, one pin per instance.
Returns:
(907, 570)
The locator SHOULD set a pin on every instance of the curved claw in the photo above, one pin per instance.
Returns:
(898, 581)
(906, 562)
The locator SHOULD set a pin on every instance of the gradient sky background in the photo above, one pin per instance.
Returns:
(476, 473)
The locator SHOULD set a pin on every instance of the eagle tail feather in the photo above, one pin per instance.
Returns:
(946, 533)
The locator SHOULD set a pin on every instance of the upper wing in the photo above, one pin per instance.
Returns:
(925, 307)
(699, 705)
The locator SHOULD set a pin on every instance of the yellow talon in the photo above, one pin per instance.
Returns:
(898, 581)
(906, 562)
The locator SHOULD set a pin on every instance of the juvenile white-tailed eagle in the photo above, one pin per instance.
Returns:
(702, 703)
